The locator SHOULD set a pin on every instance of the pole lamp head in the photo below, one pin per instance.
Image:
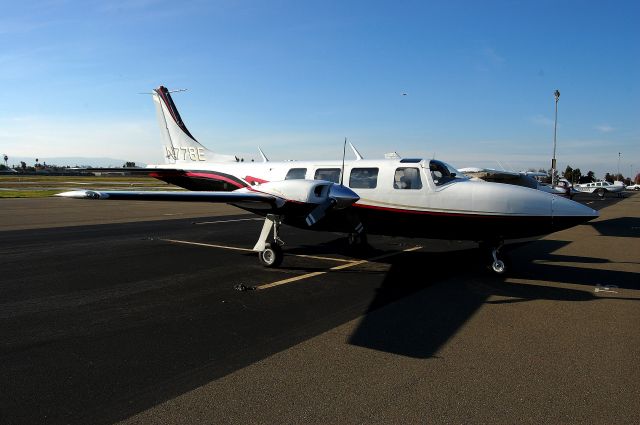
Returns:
(556, 94)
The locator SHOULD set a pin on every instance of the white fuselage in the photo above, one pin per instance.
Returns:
(401, 186)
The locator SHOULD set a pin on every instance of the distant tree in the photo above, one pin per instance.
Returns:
(591, 176)
(3, 167)
(23, 165)
(575, 176)
(568, 173)
(129, 164)
(609, 177)
(637, 179)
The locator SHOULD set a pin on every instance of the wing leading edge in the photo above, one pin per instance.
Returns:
(219, 197)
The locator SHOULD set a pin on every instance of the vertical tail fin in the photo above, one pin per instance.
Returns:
(178, 143)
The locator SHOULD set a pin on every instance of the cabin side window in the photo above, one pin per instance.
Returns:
(363, 178)
(407, 178)
(296, 174)
(328, 174)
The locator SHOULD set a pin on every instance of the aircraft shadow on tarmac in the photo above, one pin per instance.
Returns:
(446, 290)
(626, 227)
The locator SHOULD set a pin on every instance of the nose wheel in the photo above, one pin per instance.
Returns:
(497, 261)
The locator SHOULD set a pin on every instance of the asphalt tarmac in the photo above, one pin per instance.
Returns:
(115, 311)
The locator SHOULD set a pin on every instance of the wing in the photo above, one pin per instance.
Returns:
(256, 198)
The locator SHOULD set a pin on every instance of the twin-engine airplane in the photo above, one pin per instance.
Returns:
(398, 197)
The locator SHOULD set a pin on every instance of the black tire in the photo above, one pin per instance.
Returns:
(271, 256)
(601, 192)
(498, 267)
(495, 268)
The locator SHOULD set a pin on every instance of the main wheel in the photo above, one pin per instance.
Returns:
(271, 256)
(601, 192)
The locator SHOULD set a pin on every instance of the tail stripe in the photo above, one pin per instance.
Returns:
(171, 107)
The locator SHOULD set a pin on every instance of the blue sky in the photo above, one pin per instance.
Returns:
(296, 77)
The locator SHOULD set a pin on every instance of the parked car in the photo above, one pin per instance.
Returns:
(634, 187)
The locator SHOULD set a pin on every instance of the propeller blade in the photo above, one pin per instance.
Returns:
(319, 212)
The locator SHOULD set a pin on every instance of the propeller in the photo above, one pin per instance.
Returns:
(338, 197)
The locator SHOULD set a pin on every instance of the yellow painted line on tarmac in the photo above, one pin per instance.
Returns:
(234, 248)
(228, 221)
(318, 257)
(340, 267)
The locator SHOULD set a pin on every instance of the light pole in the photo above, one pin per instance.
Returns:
(556, 94)
(618, 175)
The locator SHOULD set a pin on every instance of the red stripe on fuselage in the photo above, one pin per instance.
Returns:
(253, 180)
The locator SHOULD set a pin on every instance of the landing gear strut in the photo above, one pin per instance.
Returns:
(497, 258)
(357, 239)
(270, 253)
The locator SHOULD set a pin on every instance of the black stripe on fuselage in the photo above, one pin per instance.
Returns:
(200, 180)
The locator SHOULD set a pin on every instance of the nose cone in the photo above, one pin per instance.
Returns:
(343, 196)
(567, 213)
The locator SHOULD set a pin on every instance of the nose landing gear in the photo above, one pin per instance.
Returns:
(497, 260)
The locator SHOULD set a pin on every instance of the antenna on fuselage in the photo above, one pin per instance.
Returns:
(344, 151)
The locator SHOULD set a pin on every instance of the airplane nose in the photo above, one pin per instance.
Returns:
(566, 213)
(343, 196)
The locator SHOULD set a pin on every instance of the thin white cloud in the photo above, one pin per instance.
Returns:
(605, 128)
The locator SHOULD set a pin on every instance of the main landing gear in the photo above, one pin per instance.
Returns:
(497, 261)
(270, 253)
(269, 248)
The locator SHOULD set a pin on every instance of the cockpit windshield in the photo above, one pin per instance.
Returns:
(443, 173)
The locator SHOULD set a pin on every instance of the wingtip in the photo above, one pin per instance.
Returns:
(72, 194)
(82, 194)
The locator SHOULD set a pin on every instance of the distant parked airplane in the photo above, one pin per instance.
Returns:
(600, 188)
